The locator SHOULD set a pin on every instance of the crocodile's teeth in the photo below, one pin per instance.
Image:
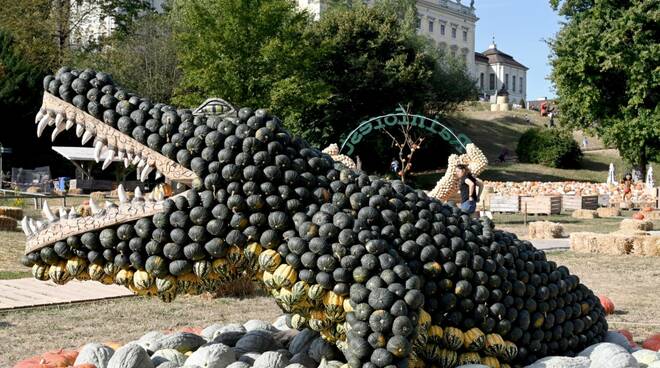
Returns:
(93, 206)
(69, 124)
(98, 147)
(158, 174)
(41, 225)
(48, 214)
(110, 204)
(32, 225)
(62, 213)
(72, 213)
(138, 170)
(59, 118)
(26, 226)
(136, 160)
(145, 173)
(138, 193)
(59, 128)
(121, 154)
(126, 162)
(86, 137)
(43, 123)
(40, 115)
(108, 159)
(80, 129)
(121, 193)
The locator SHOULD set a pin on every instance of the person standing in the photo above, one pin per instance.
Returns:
(627, 187)
(470, 188)
(394, 166)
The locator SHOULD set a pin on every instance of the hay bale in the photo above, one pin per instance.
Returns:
(75, 191)
(33, 190)
(545, 230)
(646, 245)
(8, 223)
(13, 212)
(98, 197)
(584, 214)
(608, 212)
(636, 225)
(652, 215)
(583, 242)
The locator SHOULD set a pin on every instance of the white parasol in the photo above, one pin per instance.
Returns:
(650, 183)
(611, 179)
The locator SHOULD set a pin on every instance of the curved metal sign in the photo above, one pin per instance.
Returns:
(401, 117)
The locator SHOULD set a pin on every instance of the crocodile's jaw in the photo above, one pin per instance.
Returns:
(63, 116)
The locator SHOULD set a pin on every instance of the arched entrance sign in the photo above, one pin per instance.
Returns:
(401, 117)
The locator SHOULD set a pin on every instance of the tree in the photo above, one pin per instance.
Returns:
(605, 70)
(367, 60)
(407, 142)
(237, 49)
(143, 58)
(19, 80)
(44, 30)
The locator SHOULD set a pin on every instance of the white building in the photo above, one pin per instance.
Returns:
(494, 68)
(452, 27)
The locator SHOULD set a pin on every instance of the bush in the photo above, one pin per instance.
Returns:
(549, 147)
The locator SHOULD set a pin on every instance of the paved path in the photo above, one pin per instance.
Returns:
(548, 244)
(28, 292)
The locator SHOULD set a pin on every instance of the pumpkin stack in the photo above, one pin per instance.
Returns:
(389, 275)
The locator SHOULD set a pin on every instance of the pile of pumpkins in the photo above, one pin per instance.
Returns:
(258, 344)
(377, 268)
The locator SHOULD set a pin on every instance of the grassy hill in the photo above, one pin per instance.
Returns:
(494, 131)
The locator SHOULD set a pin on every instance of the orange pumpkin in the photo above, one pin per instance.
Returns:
(638, 216)
(627, 334)
(652, 343)
(607, 304)
(647, 209)
(86, 365)
(51, 359)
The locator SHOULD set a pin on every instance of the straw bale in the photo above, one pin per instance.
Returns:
(608, 212)
(584, 214)
(545, 230)
(14, 212)
(635, 225)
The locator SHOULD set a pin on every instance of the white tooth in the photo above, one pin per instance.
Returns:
(32, 225)
(136, 160)
(41, 225)
(158, 196)
(123, 198)
(108, 159)
(129, 155)
(69, 124)
(137, 172)
(142, 163)
(145, 173)
(121, 154)
(62, 213)
(87, 136)
(94, 207)
(26, 226)
(158, 174)
(126, 162)
(40, 115)
(72, 213)
(58, 129)
(98, 147)
(80, 129)
(42, 125)
(138, 193)
(48, 214)
(59, 118)
(110, 204)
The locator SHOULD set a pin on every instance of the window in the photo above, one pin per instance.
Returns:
(453, 33)
(418, 22)
(521, 85)
(442, 29)
(481, 81)
(465, 36)
(430, 26)
(492, 81)
(513, 83)
(506, 80)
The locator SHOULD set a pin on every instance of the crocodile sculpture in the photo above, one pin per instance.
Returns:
(390, 276)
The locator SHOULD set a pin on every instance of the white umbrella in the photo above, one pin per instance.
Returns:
(650, 183)
(610, 175)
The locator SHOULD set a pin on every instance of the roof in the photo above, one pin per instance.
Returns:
(81, 153)
(496, 56)
(480, 57)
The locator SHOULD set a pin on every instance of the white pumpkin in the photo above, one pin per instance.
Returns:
(607, 354)
(212, 356)
(211, 330)
(96, 354)
(130, 356)
(271, 359)
(148, 340)
(168, 355)
(646, 356)
(561, 362)
(655, 364)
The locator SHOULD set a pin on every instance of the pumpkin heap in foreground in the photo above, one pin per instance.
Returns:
(389, 275)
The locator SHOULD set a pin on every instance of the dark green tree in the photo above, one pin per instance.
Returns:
(607, 75)
(19, 80)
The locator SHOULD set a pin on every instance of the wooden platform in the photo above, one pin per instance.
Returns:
(28, 292)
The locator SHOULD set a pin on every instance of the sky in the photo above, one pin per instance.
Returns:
(520, 28)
